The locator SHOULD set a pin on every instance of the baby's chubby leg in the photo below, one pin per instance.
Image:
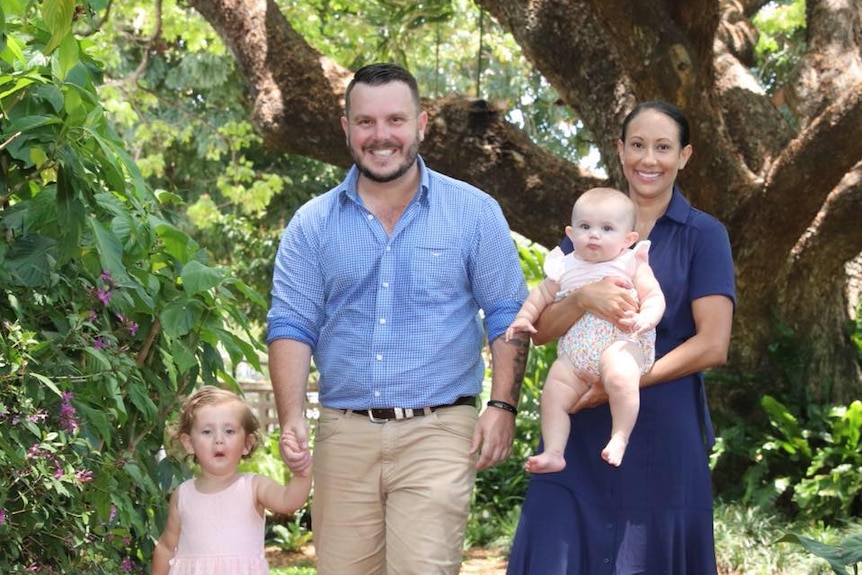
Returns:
(620, 369)
(562, 390)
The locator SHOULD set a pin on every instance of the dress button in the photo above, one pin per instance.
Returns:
(606, 560)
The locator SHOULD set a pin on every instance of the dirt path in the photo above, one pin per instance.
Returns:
(476, 561)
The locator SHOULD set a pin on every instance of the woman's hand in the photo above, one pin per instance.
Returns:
(610, 299)
(595, 395)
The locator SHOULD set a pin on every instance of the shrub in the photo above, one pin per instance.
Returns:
(110, 313)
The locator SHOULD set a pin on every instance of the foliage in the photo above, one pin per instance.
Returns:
(451, 46)
(815, 464)
(781, 41)
(748, 540)
(500, 490)
(847, 552)
(110, 312)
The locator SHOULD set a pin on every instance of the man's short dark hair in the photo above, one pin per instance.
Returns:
(379, 74)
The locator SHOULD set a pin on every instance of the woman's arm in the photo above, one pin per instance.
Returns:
(713, 318)
(608, 299)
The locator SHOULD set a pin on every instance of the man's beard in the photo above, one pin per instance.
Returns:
(409, 160)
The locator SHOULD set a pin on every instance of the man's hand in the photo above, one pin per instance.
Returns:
(293, 445)
(494, 433)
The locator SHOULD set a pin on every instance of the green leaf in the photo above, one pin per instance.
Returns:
(832, 555)
(57, 15)
(110, 250)
(198, 278)
(30, 259)
(47, 383)
(177, 318)
(175, 242)
(183, 357)
(70, 215)
(66, 57)
(140, 399)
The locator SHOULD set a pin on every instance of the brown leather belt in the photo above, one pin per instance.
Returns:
(384, 414)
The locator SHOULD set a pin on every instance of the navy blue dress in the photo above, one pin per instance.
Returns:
(653, 514)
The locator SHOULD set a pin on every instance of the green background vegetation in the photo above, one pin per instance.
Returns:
(140, 215)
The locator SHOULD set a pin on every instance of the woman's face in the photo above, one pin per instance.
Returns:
(651, 155)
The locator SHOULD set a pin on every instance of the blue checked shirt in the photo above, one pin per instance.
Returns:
(394, 321)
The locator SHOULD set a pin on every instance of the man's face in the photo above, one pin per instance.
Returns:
(384, 130)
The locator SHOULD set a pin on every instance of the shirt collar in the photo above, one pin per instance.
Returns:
(678, 208)
(348, 187)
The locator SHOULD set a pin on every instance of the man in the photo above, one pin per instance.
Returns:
(382, 280)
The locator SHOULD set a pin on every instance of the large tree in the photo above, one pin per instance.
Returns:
(784, 172)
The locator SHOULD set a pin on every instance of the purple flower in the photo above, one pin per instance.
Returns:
(2, 516)
(127, 565)
(68, 415)
(92, 317)
(106, 276)
(37, 417)
(84, 476)
(99, 343)
(104, 295)
(128, 324)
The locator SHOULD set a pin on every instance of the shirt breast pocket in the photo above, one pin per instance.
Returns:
(436, 275)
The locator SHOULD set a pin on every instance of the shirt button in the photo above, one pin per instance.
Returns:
(388, 248)
(370, 217)
(378, 357)
(382, 320)
(376, 394)
(386, 284)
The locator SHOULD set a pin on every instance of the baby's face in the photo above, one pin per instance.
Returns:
(600, 231)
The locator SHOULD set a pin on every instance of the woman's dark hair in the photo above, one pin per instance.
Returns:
(668, 110)
(378, 75)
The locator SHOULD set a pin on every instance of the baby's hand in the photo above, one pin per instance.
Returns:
(638, 324)
(520, 324)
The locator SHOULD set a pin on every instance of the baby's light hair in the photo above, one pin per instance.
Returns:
(209, 395)
(600, 194)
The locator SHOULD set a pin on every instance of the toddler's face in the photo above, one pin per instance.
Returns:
(218, 439)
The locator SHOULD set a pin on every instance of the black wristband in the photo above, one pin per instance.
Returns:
(503, 405)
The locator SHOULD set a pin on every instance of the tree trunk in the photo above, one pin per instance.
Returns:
(788, 193)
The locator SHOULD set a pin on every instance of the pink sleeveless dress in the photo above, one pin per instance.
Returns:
(222, 533)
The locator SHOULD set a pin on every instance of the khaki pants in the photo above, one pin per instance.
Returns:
(392, 498)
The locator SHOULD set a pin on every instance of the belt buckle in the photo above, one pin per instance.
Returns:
(374, 419)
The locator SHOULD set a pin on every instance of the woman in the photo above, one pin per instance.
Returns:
(652, 515)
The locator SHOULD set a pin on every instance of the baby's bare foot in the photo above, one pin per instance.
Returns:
(545, 463)
(614, 451)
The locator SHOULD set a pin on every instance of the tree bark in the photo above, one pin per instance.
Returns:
(788, 191)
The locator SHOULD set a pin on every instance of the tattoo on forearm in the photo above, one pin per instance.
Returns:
(522, 342)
